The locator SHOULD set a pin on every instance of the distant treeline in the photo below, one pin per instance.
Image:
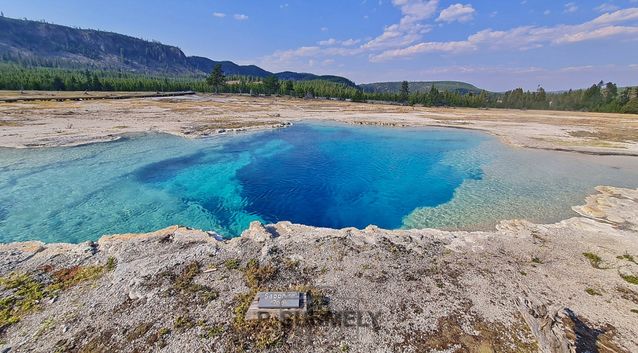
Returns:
(601, 97)
(15, 77)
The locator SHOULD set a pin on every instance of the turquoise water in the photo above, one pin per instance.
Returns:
(324, 175)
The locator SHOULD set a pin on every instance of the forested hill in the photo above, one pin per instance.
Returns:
(421, 86)
(40, 44)
(206, 65)
(230, 68)
(295, 76)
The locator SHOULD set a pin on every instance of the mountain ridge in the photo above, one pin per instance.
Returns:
(38, 43)
(420, 86)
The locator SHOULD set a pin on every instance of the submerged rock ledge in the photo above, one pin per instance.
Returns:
(571, 286)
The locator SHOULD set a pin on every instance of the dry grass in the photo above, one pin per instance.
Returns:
(581, 143)
(9, 123)
(605, 134)
(491, 337)
(66, 94)
(22, 293)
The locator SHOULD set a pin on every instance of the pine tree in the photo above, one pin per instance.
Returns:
(405, 92)
(58, 84)
(216, 78)
(271, 84)
(611, 91)
(623, 98)
(288, 87)
(96, 85)
(483, 99)
(631, 107)
(358, 96)
(433, 96)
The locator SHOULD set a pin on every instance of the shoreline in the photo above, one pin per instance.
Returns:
(60, 97)
(52, 124)
(587, 210)
(504, 139)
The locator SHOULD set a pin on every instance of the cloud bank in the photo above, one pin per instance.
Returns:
(407, 37)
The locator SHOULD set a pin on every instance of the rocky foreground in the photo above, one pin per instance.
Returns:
(565, 287)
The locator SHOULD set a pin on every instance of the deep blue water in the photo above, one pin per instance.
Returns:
(353, 178)
(324, 175)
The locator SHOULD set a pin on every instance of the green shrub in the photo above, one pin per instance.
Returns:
(231, 264)
(630, 279)
(594, 259)
(592, 291)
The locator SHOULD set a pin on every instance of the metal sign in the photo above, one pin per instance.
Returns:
(279, 300)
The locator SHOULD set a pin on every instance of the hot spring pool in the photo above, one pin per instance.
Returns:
(319, 174)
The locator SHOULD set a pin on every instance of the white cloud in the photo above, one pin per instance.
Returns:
(283, 6)
(330, 41)
(345, 43)
(350, 42)
(547, 12)
(397, 36)
(584, 68)
(618, 16)
(299, 57)
(606, 7)
(240, 17)
(457, 12)
(427, 47)
(604, 32)
(416, 10)
(409, 29)
(526, 37)
(405, 38)
(571, 7)
(219, 14)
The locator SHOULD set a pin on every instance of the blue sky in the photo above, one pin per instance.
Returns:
(496, 45)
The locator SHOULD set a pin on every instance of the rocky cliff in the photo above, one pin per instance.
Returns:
(565, 287)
